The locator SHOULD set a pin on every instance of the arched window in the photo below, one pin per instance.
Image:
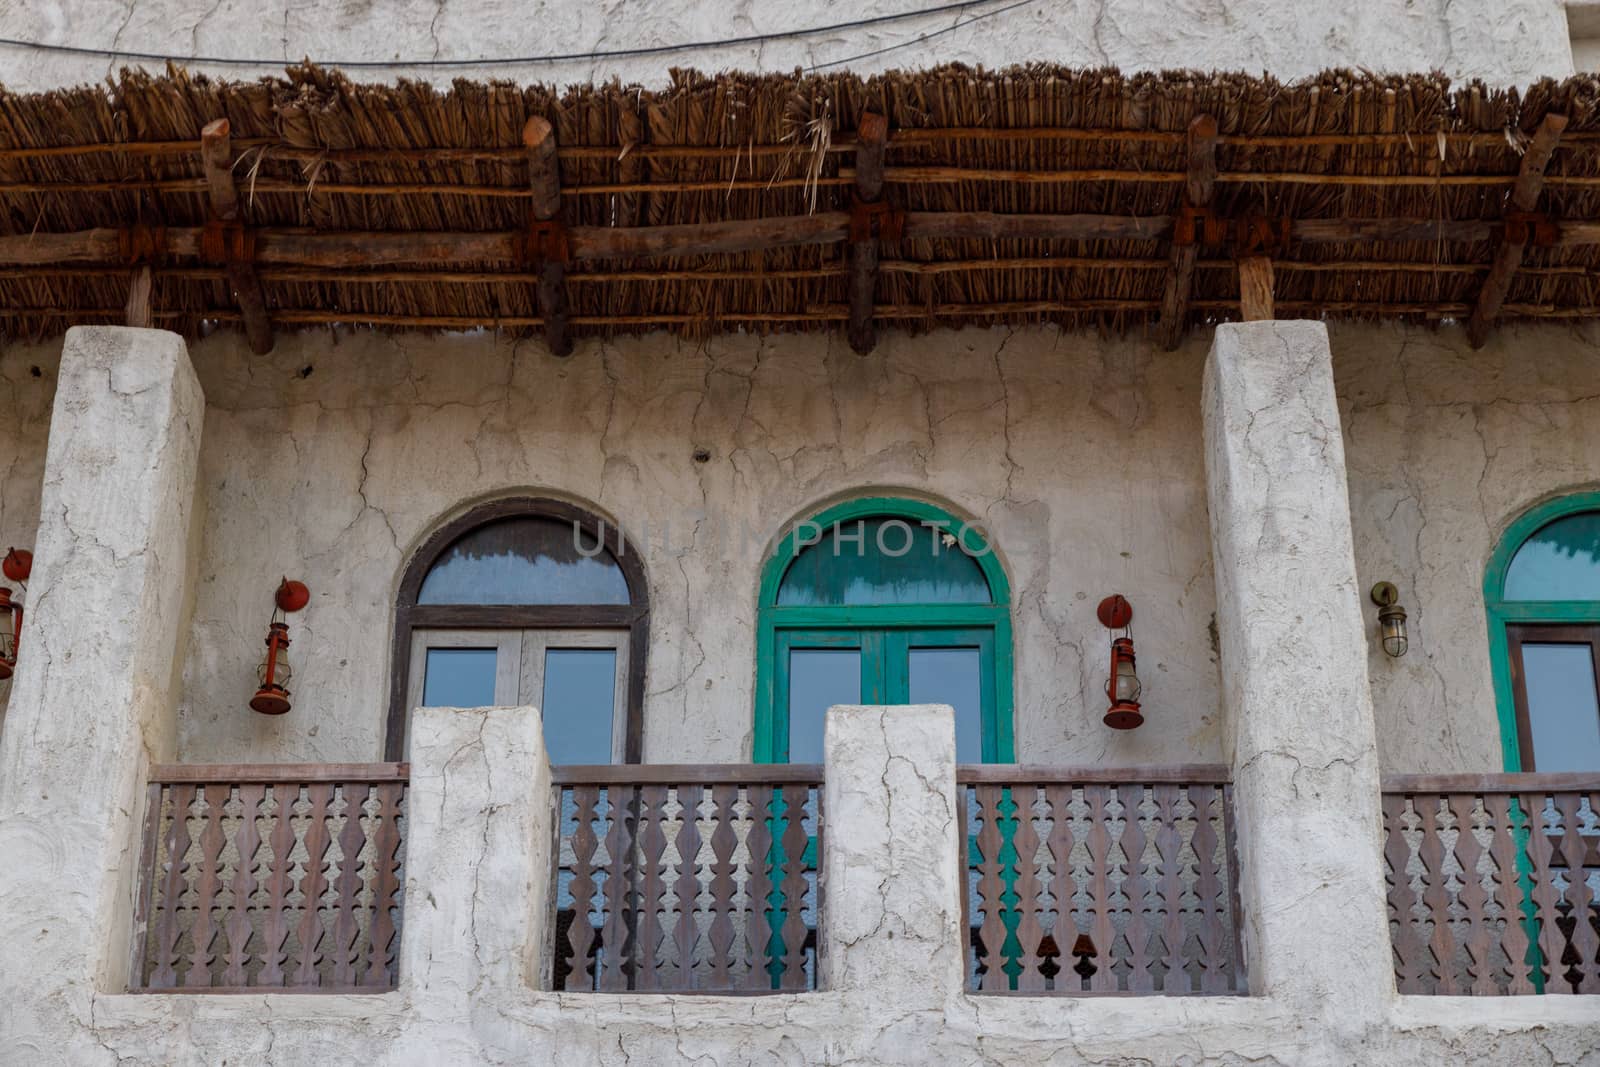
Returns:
(526, 601)
(883, 601)
(1542, 591)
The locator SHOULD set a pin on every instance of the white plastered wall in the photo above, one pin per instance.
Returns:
(1081, 453)
(1501, 41)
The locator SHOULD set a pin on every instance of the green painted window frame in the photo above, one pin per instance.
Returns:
(1502, 612)
(924, 623)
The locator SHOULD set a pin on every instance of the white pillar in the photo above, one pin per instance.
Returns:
(892, 865)
(94, 698)
(1294, 674)
(478, 855)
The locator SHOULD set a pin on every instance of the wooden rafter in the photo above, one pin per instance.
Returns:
(443, 249)
(1509, 251)
(1197, 190)
(216, 152)
(872, 136)
(547, 237)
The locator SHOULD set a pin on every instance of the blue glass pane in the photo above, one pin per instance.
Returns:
(1563, 712)
(459, 678)
(953, 676)
(525, 560)
(579, 701)
(818, 679)
(1560, 562)
(884, 561)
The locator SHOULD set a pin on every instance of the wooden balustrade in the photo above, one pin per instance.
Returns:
(1494, 882)
(271, 877)
(687, 878)
(1086, 881)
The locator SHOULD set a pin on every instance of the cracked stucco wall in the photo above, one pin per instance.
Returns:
(1501, 41)
(1081, 454)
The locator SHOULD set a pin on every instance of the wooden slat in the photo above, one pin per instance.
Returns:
(1508, 253)
(652, 888)
(1135, 888)
(385, 871)
(759, 888)
(580, 934)
(237, 926)
(144, 906)
(280, 882)
(1169, 846)
(991, 888)
(168, 922)
(216, 155)
(1028, 889)
(1102, 930)
(1472, 896)
(1436, 895)
(1209, 889)
(615, 934)
(686, 887)
(1408, 947)
(792, 887)
(348, 885)
(722, 934)
(1063, 887)
(1201, 181)
(1508, 896)
(314, 883)
(207, 885)
(1580, 898)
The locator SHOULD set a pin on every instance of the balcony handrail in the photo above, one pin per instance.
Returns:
(686, 773)
(1045, 774)
(1525, 782)
(252, 773)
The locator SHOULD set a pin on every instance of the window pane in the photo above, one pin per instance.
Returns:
(1562, 709)
(525, 560)
(818, 679)
(885, 561)
(953, 676)
(579, 703)
(459, 678)
(1560, 562)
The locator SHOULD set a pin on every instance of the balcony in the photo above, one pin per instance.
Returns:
(1494, 883)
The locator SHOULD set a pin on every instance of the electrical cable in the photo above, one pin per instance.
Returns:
(921, 38)
(574, 57)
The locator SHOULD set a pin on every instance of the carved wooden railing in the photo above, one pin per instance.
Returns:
(271, 877)
(1494, 882)
(687, 878)
(1086, 881)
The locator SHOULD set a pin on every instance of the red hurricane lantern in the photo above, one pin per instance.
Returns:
(275, 671)
(1122, 687)
(17, 566)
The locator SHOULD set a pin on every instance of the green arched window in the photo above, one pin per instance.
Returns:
(883, 601)
(1542, 592)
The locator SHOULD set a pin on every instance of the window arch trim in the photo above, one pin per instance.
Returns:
(774, 617)
(1501, 612)
(409, 615)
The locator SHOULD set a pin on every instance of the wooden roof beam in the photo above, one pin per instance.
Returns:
(547, 244)
(1197, 191)
(1511, 246)
(216, 153)
(872, 137)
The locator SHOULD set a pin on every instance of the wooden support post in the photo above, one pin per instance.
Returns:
(1508, 252)
(1255, 289)
(1198, 187)
(871, 137)
(216, 153)
(544, 177)
(139, 287)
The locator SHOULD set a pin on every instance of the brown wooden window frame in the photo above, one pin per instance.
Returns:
(1540, 633)
(634, 617)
